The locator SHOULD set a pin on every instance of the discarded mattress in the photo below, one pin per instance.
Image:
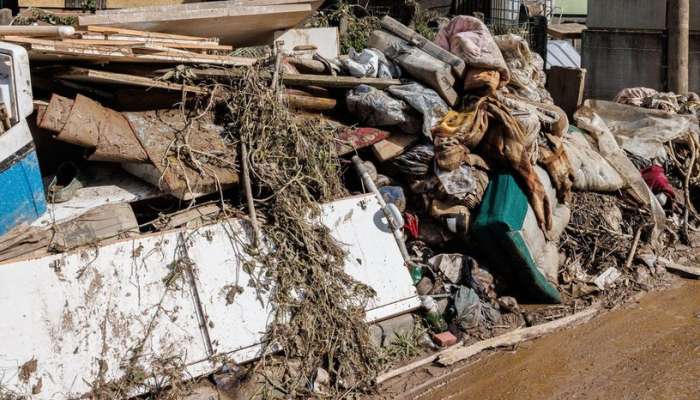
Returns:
(499, 228)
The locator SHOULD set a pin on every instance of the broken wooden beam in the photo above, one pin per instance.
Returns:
(342, 82)
(458, 353)
(310, 103)
(95, 76)
(58, 31)
(393, 146)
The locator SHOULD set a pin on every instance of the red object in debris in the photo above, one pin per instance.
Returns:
(350, 140)
(445, 339)
(655, 177)
(411, 225)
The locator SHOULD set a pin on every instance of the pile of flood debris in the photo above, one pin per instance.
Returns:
(171, 157)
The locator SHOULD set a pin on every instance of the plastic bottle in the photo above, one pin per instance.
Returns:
(432, 315)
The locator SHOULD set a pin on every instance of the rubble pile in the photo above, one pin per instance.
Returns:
(500, 212)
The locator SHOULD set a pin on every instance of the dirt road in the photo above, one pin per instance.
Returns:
(647, 350)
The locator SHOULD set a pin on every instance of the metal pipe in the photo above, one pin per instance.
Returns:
(393, 223)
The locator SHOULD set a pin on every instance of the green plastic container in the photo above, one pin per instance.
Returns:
(497, 229)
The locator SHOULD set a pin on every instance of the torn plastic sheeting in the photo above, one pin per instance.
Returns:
(641, 131)
(370, 63)
(472, 312)
(425, 101)
(458, 182)
(587, 118)
(374, 107)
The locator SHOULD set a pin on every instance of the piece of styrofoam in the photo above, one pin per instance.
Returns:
(324, 39)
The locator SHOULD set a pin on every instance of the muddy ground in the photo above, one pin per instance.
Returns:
(647, 349)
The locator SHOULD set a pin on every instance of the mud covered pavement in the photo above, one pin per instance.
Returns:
(648, 349)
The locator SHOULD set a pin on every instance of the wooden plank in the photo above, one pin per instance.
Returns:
(139, 41)
(154, 7)
(55, 52)
(37, 31)
(95, 76)
(393, 146)
(344, 82)
(241, 25)
(566, 31)
(108, 3)
(567, 86)
(117, 37)
(124, 31)
(310, 103)
(458, 353)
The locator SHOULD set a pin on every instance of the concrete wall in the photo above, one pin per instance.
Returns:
(616, 60)
(626, 45)
(627, 14)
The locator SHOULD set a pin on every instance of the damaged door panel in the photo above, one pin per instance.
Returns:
(173, 301)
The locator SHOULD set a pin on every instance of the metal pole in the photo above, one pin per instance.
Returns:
(391, 218)
(678, 34)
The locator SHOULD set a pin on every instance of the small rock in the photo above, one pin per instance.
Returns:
(442, 305)
(376, 335)
(322, 380)
(401, 325)
(445, 339)
(425, 341)
(508, 304)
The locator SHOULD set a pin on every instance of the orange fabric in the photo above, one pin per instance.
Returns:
(489, 129)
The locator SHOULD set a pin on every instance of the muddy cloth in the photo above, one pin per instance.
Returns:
(527, 68)
(480, 280)
(468, 38)
(426, 101)
(485, 81)
(489, 129)
(554, 159)
(652, 99)
(374, 107)
(656, 178)
(634, 96)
